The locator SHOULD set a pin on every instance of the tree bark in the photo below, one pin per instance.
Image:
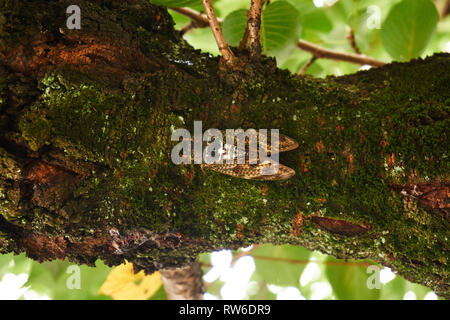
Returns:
(85, 169)
(183, 283)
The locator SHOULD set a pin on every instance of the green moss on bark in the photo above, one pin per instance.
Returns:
(357, 136)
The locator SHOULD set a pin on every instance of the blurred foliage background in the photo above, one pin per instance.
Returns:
(387, 30)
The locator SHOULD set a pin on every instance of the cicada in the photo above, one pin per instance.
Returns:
(259, 167)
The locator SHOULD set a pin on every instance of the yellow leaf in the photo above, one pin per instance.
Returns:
(123, 284)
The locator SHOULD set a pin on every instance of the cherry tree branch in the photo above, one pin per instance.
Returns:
(320, 52)
(297, 261)
(244, 40)
(445, 10)
(183, 283)
(352, 40)
(316, 50)
(307, 65)
(214, 24)
(254, 26)
(200, 20)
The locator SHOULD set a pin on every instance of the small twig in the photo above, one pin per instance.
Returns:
(307, 65)
(225, 50)
(320, 52)
(189, 27)
(244, 253)
(244, 40)
(297, 261)
(253, 27)
(329, 263)
(200, 19)
(351, 38)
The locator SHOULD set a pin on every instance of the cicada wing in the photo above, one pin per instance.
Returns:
(285, 143)
(260, 171)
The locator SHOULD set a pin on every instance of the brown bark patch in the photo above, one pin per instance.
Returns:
(297, 224)
(50, 185)
(239, 229)
(432, 195)
(320, 146)
(84, 53)
(340, 226)
(42, 247)
(349, 160)
(264, 190)
(391, 161)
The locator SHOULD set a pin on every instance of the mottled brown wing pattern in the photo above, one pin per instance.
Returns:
(285, 144)
(254, 171)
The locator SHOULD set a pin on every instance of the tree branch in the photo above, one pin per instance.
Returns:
(352, 40)
(225, 50)
(307, 65)
(317, 51)
(183, 283)
(200, 20)
(244, 40)
(253, 27)
(328, 263)
(320, 52)
(85, 149)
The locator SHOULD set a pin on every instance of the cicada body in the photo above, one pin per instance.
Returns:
(256, 168)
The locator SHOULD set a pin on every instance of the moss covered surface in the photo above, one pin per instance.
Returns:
(110, 139)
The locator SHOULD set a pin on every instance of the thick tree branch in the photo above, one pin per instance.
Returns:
(320, 52)
(86, 118)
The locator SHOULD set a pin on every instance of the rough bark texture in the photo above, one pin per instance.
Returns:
(85, 168)
(183, 283)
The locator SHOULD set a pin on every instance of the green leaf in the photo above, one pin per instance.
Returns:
(280, 273)
(350, 282)
(41, 279)
(14, 263)
(393, 290)
(91, 280)
(160, 294)
(408, 28)
(176, 3)
(280, 27)
(317, 20)
(51, 278)
(234, 25)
